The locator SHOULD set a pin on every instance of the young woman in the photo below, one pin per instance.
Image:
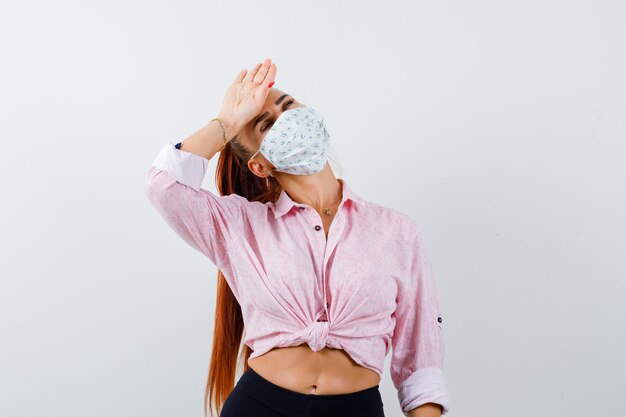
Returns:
(318, 282)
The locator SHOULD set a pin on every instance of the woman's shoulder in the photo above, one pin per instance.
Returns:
(390, 217)
(258, 210)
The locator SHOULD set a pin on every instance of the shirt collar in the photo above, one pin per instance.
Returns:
(284, 203)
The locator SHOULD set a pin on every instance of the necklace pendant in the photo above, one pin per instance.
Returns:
(328, 212)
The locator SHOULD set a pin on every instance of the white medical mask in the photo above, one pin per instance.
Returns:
(297, 143)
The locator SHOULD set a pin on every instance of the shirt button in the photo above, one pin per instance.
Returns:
(439, 319)
(301, 208)
(318, 227)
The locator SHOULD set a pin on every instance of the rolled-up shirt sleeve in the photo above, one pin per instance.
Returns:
(418, 340)
(206, 221)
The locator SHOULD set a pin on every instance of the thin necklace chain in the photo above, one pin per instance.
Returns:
(327, 210)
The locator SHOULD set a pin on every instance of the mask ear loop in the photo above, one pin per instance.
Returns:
(267, 172)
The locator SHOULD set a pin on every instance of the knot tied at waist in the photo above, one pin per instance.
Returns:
(316, 335)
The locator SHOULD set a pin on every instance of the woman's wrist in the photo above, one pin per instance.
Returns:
(231, 125)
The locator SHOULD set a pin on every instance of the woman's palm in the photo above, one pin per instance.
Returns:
(245, 97)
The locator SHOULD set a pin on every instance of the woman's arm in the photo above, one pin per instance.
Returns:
(208, 222)
(207, 141)
(427, 410)
(418, 341)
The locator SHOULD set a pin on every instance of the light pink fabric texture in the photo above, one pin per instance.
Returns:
(371, 281)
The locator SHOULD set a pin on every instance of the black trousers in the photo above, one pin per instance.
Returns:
(255, 396)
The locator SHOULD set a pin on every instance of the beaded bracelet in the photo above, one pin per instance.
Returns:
(223, 131)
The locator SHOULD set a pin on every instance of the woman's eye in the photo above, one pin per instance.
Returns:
(266, 125)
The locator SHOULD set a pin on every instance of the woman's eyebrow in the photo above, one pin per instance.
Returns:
(280, 99)
(264, 115)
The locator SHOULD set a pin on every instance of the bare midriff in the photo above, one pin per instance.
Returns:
(326, 372)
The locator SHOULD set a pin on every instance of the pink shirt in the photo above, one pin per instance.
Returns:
(366, 289)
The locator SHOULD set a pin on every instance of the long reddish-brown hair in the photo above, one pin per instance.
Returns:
(232, 176)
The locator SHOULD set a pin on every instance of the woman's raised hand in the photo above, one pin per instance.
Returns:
(245, 97)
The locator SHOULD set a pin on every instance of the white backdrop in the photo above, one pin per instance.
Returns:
(499, 126)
